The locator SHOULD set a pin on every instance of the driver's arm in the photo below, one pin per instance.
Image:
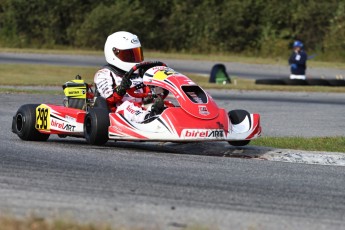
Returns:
(107, 88)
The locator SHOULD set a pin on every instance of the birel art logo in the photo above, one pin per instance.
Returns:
(204, 133)
(132, 111)
(62, 125)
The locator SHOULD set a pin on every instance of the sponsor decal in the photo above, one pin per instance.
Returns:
(203, 133)
(135, 40)
(133, 111)
(203, 110)
(62, 125)
(158, 68)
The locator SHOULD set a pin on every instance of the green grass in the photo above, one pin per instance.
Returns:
(46, 75)
(184, 56)
(327, 144)
(30, 91)
(35, 223)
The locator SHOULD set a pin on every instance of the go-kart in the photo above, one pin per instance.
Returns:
(192, 116)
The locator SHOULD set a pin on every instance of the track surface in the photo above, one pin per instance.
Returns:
(255, 71)
(172, 186)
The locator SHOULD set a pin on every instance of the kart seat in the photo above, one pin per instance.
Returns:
(76, 103)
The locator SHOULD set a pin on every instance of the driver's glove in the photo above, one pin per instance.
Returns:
(122, 88)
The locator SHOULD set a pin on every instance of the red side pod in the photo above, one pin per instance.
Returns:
(121, 127)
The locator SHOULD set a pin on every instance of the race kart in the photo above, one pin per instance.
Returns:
(192, 116)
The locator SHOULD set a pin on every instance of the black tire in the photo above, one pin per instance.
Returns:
(269, 82)
(239, 143)
(295, 82)
(96, 126)
(236, 117)
(319, 82)
(23, 124)
(100, 102)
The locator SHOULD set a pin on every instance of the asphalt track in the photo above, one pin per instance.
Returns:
(173, 186)
(254, 71)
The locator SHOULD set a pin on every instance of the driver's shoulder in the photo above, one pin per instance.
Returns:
(105, 72)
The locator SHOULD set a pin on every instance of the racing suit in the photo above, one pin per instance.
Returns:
(106, 80)
(298, 64)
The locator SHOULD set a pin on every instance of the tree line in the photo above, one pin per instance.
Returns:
(253, 27)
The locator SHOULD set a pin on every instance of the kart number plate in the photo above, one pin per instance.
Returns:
(43, 117)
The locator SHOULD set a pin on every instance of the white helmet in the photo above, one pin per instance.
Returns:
(123, 50)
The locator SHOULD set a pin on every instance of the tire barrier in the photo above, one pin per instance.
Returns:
(289, 81)
(335, 82)
(315, 81)
(309, 81)
(270, 82)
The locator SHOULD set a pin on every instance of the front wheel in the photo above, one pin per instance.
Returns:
(23, 124)
(239, 143)
(96, 126)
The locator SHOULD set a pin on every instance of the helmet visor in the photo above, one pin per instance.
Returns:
(131, 55)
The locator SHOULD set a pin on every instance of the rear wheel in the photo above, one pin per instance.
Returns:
(96, 126)
(236, 117)
(23, 124)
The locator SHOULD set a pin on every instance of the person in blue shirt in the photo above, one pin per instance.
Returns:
(298, 61)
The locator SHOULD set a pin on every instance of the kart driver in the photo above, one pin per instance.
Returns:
(122, 51)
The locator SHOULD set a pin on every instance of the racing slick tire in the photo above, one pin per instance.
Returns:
(236, 117)
(23, 124)
(96, 126)
(100, 102)
(239, 143)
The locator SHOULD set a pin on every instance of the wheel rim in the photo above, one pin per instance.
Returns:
(20, 120)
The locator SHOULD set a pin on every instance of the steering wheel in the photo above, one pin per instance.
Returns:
(141, 66)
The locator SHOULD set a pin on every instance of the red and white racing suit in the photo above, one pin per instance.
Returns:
(130, 107)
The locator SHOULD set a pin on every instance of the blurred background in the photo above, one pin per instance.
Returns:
(262, 28)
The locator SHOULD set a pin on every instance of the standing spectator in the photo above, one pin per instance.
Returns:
(298, 61)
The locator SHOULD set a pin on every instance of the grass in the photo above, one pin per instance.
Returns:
(29, 91)
(185, 56)
(37, 223)
(34, 223)
(327, 144)
(46, 75)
